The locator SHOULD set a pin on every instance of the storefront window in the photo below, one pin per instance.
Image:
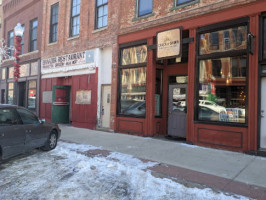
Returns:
(11, 72)
(34, 69)
(222, 88)
(133, 92)
(134, 55)
(223, 40)
(3, 77)
(10, 96)
(32, 95)
(132, 88)
(24, 70)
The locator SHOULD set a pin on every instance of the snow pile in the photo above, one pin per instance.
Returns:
(67, 173)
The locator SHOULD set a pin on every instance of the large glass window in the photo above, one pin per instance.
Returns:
(10, 43)
(33, 35)
(132, 100)
(54, 22)
(75, 17)
(222, 88)
(3, 77)
(101, 13)
(34, 69)
(223, 40)
(24, 70)
(11, 72)
(144, 7)
(133, 91)
(10, 96)
(32, 94)
(134, 55)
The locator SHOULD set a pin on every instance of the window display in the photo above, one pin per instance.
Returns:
(222, 88)
(133, 92)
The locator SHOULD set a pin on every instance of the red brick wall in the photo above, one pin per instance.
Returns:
(88, 37)
(164, 12)
(23, 11)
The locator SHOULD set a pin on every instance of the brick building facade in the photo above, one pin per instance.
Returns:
(26, 92)
(211, 94)
(193, 69)
(77, 64)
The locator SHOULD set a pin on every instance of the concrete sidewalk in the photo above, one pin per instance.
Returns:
(219, 167)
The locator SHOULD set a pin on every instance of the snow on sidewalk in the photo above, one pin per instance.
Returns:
(67, 173)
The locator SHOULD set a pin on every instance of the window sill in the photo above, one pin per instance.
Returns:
(184, 5)
(99, 29)
(221, 124)
(52, 43)
(73, 38)
(143, 17)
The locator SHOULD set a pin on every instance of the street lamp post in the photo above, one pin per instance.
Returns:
(18, 30)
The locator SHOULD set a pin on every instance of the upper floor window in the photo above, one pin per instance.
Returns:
(181, 2)
(22, 42)
(74, 21)
(10, 42)
(53, 23)
(144, 7)
(101, 13)
(33, 35)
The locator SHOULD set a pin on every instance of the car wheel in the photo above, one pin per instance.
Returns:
(51, 142)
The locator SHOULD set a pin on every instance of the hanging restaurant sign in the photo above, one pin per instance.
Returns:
(169, 44)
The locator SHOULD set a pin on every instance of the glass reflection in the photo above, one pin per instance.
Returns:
(222, 89)
(134, 55)
(179, 99)
(133, 91)
(10, 95)
(223, 40)
(32, 94)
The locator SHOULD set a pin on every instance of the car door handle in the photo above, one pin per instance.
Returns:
(2, 134)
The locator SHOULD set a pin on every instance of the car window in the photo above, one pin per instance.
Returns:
(8, 116)
(27, 117)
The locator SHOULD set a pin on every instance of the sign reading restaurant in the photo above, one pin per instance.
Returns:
(68, 62)
(169, 43)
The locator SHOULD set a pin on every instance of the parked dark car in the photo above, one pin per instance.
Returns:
(22, 131)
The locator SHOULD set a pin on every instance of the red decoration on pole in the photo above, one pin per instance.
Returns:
(16, 55)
